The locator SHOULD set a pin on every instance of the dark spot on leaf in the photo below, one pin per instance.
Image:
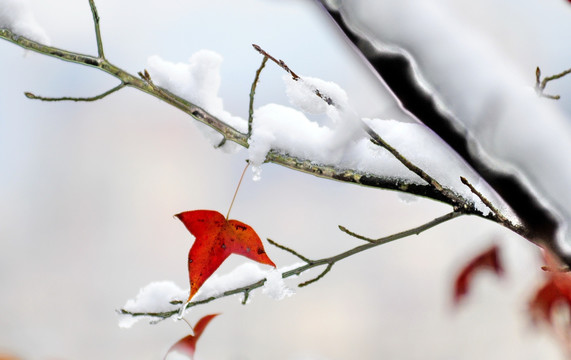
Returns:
(189, 261)
(260, 251)
(240, 227)
(223, 246)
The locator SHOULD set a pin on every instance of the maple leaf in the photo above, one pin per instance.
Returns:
(216, 239)
(187, 345)
(488, 259)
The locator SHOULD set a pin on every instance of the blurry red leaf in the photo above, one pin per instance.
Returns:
(187, 345)
(216, 239)
(556, 290)
(489, 259)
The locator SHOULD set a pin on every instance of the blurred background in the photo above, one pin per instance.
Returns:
(88, 190)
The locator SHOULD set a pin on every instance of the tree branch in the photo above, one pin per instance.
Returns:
(330, 261)
(144, 83)
(128, 79)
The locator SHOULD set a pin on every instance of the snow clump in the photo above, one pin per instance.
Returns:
(16, 16)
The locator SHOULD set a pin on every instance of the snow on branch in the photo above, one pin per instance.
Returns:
(16, 16)
(341, 154)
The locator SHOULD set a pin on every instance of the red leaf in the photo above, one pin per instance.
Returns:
(216, 239)
(187, 345)
(556, 290)
(489, 259)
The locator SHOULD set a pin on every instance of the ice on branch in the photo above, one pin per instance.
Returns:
(197, 81)
(16, 16)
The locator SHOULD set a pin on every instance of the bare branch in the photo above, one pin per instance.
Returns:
(29, 95)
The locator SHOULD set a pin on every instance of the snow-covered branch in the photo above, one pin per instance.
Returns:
(159, 301)
(346, 171)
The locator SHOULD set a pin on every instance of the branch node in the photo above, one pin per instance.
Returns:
(97, 29)
(540, 84)
(246, 296)
(308, 282)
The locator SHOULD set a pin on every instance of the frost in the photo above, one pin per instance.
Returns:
(275, 286)
(197, 81)
(155, 297)
(17, 16)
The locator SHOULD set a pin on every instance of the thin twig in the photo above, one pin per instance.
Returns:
(252, 93)
(291, 251)
(540, 84)
(355, 235)
(330, 261)
(97, 30)
(486, 202)
(414, 231)
(323, 273)
(29, 95)
(457, 201)
(294, 76)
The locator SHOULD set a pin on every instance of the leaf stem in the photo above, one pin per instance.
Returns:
(237, 188)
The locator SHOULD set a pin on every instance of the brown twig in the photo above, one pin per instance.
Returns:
(29, 95)
(486, 202)
(540, 84)
(252, 94)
